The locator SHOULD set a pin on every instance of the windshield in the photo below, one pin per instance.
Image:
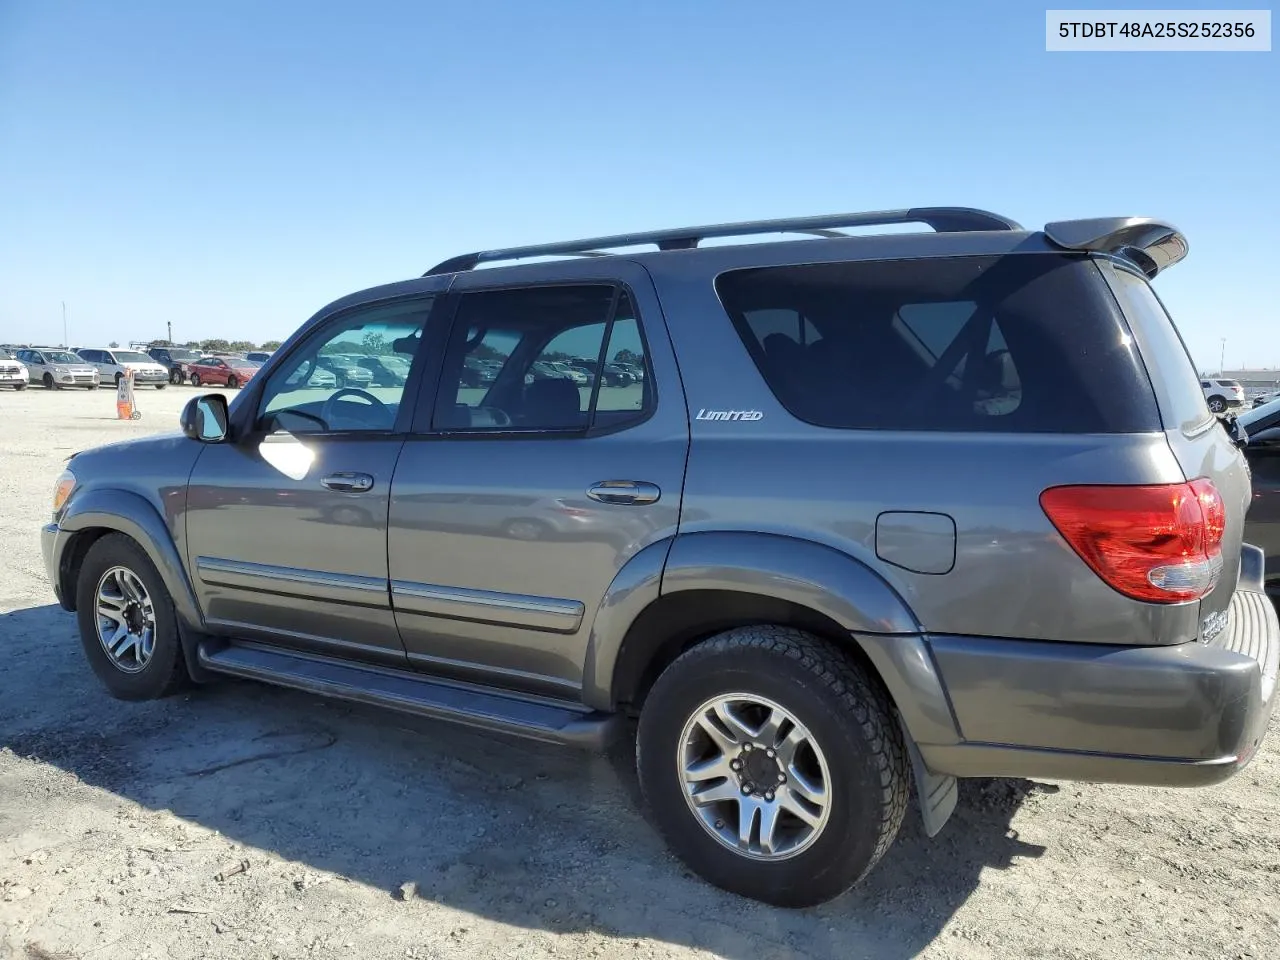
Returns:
(128, 356)
(1264, 412)
(181, 355)
(61, 356)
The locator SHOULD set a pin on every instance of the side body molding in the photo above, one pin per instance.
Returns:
(134, 516)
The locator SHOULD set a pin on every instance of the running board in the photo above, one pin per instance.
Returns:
(413, 693)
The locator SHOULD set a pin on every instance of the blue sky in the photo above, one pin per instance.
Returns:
(233, 166)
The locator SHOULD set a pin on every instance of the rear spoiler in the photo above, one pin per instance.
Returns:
(1151, 245)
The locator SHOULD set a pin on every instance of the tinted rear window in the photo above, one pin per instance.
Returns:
(1020, 343)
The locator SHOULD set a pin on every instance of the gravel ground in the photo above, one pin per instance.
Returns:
(243, 821)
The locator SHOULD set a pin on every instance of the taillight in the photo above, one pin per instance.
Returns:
(1162, 544)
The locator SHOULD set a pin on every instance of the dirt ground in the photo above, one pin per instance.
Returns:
(344, 833)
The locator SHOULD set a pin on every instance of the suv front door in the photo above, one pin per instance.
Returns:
(503, 537)
(287, 522)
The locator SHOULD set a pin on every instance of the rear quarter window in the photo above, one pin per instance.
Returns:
(1019, 343)
(1180, 390)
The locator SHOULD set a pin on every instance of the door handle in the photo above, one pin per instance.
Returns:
(348, 482)
(634, 492)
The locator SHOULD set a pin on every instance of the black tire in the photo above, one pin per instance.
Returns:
(175, 377)
(119, 377)
(161, 386)
(93, 386)
(48, 382)
(19, 386)
(232, 382)
(1218, 404)
(843, 711)
(165, 672)
(195, 379)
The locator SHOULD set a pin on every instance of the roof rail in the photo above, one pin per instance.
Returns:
(1152, 245)
(941, 219)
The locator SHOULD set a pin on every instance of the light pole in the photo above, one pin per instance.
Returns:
(169, 325)
(66, 343)
(1222, 357)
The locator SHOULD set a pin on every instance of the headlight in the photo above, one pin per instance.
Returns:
(66, 482)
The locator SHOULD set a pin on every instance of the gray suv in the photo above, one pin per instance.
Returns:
(880, 511)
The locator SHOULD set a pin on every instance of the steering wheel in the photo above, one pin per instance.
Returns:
(499, 417)
(329, 408)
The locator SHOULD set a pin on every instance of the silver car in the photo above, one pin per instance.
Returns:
(57, 368)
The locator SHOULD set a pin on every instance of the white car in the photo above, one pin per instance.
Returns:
(12, 373)
(1222, 394)
(57, 368)
(112, 365)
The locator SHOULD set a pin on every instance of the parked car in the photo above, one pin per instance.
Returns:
(112, 365)
(1222, 394)
(1265, 398)
(13, 373)
(1262, 525)
(177, 360)
(387, 371)
(346, 371)
(261, 356)
(221, 371)
(57, 368)
(614, 376)
(958, 538)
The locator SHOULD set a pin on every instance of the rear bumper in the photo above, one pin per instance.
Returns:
(1187, 715)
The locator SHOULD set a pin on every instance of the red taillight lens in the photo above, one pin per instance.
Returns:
(1162, 544)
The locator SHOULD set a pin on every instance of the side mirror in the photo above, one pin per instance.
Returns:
(204, 418)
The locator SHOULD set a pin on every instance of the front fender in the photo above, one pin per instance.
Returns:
(132, 515)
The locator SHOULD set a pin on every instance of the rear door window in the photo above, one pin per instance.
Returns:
(1019, 343)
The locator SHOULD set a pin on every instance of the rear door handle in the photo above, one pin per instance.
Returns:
(634, 492)
(348, 482)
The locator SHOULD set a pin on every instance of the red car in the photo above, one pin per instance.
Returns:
(222, 371)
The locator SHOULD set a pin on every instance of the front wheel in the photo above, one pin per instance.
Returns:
(1218, 404)
(232, 382)
(119, 377)
(175, 377)
(161, 386)
(19, 386)
(48, 382)
(773, 765)
(195, 379)
(128, 625)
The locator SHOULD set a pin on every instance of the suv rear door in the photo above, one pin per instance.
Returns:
(502, 539)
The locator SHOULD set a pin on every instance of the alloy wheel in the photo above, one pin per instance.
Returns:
(126, 619)
(754, 776)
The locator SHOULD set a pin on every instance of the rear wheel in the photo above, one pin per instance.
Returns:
(128, 626)
(195, 379)
(773, 765)
(161, 386)
(175, 377)
(1218, 404)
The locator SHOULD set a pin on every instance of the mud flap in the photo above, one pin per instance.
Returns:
(937, 792)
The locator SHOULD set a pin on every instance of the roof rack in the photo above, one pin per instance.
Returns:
(1152, 245)
(941, 219)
